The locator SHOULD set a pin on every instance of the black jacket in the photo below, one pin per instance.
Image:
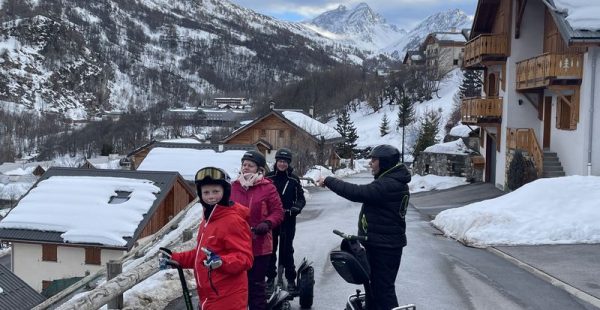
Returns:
(385, 201)
(289, 188)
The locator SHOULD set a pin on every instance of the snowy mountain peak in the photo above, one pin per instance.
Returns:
(360, 26)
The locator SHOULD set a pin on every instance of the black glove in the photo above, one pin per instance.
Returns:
(262, 228)
(295, 210)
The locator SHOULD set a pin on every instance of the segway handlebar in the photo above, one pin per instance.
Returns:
(349, 237)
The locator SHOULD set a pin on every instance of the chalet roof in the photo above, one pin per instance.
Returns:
(15, 293)
(164, 181)
(141, 148)
(415, 56)
(298, 120)
(578, 21)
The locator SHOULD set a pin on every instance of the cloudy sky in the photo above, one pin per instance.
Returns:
(403, 13)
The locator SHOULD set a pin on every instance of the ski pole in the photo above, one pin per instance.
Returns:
(184, 287)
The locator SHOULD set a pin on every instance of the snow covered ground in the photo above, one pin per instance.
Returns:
(563, 210)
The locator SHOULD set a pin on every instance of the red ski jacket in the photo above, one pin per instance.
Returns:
(264, 203)
(225, 232)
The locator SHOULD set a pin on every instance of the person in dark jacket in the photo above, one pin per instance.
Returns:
(381, 219)
(292, 196)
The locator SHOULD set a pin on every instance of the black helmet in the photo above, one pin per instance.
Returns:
(256, 157)
(213, 175)
(388, 156)
(285, 154)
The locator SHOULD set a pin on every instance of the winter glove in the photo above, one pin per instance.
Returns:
(213, 260)
(295, 209)
(262, 228)
(164, 258)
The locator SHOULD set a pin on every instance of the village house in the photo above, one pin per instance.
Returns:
(540, 95)
(73, 221)
(443, 51)
(290, 129)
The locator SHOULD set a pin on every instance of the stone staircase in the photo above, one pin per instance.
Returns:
(552, 166)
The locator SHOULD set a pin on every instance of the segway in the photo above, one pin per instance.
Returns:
(305, 282)
(350, 262)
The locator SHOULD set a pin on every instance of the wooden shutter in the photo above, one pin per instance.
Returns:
(49, 253)
(92, 256)
(574, 119)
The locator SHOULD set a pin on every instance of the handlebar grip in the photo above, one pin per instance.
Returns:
(339, 233)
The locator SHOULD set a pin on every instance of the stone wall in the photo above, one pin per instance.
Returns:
(447, 165)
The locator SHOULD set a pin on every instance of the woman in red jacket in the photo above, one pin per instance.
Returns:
(221, 278)
(266, 212)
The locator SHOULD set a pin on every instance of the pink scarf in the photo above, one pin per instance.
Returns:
(249, 179)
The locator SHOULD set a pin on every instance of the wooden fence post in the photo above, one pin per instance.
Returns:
(113, 269)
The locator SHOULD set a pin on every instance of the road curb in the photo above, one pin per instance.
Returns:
(548, 278)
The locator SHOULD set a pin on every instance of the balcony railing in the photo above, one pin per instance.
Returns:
(524, 139)
(539, 71)
(485, 46)
(481, 110)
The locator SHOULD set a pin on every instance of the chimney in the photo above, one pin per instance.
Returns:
(311, 111)
(271, 105)
(221, 148)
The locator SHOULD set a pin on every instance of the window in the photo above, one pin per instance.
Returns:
(455, 62)
(92, 256)
(49, 252)
(121, 197)
(566, 113)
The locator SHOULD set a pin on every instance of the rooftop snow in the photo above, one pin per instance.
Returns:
(456, 147)
(581, 14)
(188, 161)
(462, 130)
(311, 125)
(79, 207)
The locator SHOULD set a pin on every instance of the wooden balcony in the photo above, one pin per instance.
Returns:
(481, 110)
(548, 69)
(485, 47)
(524, 139)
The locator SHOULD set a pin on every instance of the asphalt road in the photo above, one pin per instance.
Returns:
(436, 272)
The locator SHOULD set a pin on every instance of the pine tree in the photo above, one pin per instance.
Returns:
(384, 127)
(346, 128)
(471, 84)
(427, 132)
(406, 115)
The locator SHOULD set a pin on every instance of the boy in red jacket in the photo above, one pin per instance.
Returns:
(221, 277)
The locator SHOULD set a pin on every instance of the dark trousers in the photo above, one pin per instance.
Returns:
(384, 265)
(284, 233)
(257, 299)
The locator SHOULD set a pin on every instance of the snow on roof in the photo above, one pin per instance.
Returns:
(456, 37)
(181, 140)
(539, 212)
(581, 14)
(79, 208)
(188, 161)
(462, 130)
(311, 125)
(456, 147)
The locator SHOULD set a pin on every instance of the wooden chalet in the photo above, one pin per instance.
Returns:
(41, 257)
(539, 62)
(275, 130)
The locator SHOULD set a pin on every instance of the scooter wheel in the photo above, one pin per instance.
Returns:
(306, 284)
